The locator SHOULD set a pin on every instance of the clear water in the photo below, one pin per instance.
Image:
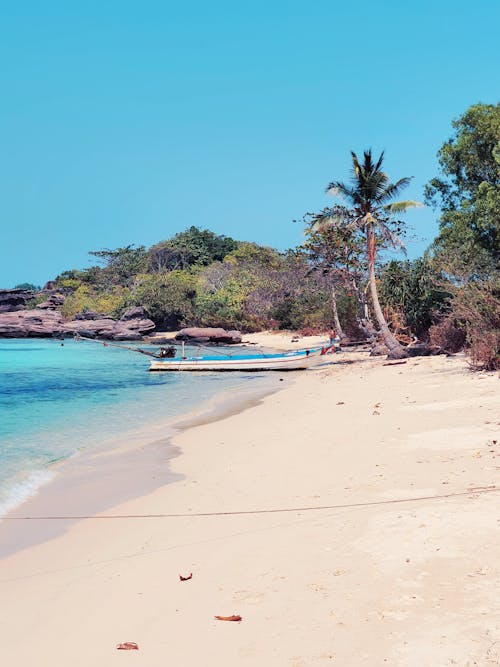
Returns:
(56, 400)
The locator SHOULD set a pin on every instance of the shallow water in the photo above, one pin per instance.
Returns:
(56, 400)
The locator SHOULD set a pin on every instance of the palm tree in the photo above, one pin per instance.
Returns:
(372, 212)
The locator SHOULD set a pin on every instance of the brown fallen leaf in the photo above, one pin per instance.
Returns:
(234, 617)
(127, 646)
(190, 576)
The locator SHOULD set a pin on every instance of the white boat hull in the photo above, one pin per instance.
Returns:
(284, 362)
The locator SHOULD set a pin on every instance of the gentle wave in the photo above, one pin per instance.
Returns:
(15, 493)
(57, 400)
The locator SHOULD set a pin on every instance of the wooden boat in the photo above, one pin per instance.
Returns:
(285, 361)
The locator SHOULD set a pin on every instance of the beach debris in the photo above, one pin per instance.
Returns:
(127, 646)
(340, 403)
(233, 617)
(375, 412)
(394, 363)
(190, 576)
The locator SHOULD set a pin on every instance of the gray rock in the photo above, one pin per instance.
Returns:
(89, 315)
(101, 328)
(135, 313)
(53, 302)
(12, 300)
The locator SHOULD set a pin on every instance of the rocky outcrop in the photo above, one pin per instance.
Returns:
(45, 323)
(12, 300)
(30, 324)
(52, 302)
(209, 335)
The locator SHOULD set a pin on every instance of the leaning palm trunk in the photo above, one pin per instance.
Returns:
(389, 337)
(335, 312)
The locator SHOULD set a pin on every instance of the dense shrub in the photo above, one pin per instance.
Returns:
(84, 298)
(448, 334)
(167, 297)
(413, 292)
(477, 305)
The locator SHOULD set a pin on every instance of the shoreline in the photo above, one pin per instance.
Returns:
(98, 477)
(393, 557)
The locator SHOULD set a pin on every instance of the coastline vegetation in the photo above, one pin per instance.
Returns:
(341, 275)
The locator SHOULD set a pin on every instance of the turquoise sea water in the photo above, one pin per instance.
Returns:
(58, 399)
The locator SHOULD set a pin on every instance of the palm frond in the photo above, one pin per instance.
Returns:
(356, 167)
(402, 206)
(339, 189)
(379, 162)
(393, 189)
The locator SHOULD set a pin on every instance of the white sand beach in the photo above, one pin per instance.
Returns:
(350, 519)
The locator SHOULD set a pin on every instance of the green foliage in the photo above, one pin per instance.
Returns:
(468, 193)
(120, 266)
(84, 299)
(306, 310)
(192, 247)
(332, 245)
(413, 289)
(249, 254)
(27, 286)
(223, 307)
(35, 301)
(167, 297)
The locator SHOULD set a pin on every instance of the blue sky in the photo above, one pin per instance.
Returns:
(125, 122)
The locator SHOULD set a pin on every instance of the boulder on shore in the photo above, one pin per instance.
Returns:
(209, 335)
(30, 324)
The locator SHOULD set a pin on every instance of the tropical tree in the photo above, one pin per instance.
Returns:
(334, 250)
(191, 247)
(372, 211)
(467, 191)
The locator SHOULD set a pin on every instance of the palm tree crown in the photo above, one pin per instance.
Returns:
(370, 194)
(372, 211)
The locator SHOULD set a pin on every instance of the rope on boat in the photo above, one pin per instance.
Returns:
(106, 343)
(456, 494)
(138, 350)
